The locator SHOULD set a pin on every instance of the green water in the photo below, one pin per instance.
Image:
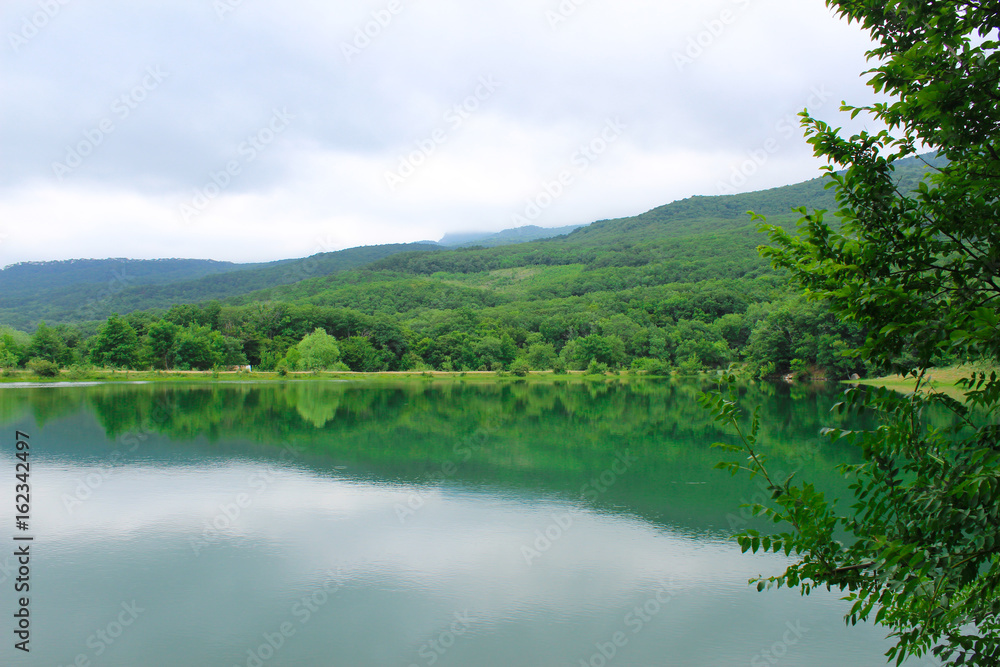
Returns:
(356, 524)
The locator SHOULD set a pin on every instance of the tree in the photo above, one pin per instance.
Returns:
(360, 355)
(116, 344)
(7, 358)
(918, 269)
(608, 350)
(13, 346)
(318, 351)
(199, 348)
(541, 356)
(46, 343)
(701, 341)
(160, 340)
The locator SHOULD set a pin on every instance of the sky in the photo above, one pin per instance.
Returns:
(252, 130)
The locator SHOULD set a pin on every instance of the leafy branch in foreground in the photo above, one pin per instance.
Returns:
(918, 550)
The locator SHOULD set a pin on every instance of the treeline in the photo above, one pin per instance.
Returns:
(684, 327)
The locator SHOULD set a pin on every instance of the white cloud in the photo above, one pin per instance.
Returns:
(689, 124)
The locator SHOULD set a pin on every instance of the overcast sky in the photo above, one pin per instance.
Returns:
(250, 130)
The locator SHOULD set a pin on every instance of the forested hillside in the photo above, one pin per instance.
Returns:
(88, 289)
(681, 286)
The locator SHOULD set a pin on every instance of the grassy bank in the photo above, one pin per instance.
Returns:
(943, 380)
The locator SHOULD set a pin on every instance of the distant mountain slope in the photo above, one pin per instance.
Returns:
(80, 290)
(696, 239)
(687, 241)
(38, 276)
(505, 237)
(34, 290)
(716, 213)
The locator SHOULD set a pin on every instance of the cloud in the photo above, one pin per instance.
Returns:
(116, 114)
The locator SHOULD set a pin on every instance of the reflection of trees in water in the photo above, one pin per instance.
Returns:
(549, 436)
(314, 403)
(589, 411)
(45, 404)
(13, 405)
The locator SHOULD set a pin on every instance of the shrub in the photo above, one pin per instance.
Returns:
(649, 366)
(43, 368)
(520, 367)
(690, 365)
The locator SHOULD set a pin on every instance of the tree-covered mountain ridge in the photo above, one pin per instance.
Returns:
(91, 289)
(680, 286)
(80, 290)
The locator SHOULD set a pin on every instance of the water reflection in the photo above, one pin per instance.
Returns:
(323, 525)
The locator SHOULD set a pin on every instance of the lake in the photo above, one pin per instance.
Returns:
(410, 523)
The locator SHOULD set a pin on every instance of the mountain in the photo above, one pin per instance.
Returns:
(699, 245)
(686, 242)
(89, 289)
(36, 277)
(505, 237)
(680, 286)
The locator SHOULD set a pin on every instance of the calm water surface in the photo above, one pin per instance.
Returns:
(321, 524)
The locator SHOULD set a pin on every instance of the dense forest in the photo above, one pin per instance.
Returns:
(679, 287)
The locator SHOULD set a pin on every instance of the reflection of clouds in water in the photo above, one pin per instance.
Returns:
(357, 521)
(398, 584)
(463, 549)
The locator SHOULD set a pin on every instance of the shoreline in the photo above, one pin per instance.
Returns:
(99, 377)
(943, 380)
